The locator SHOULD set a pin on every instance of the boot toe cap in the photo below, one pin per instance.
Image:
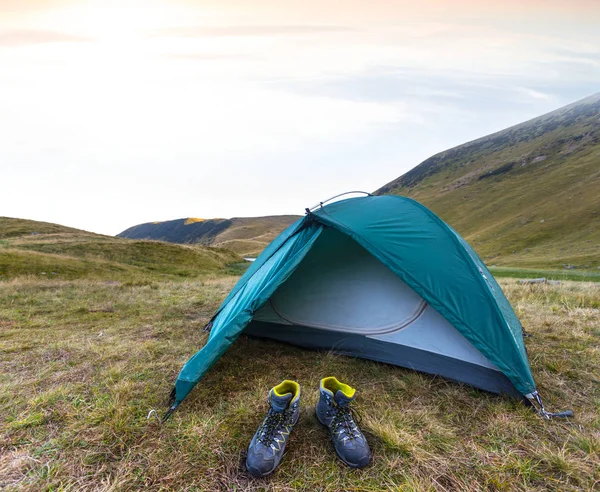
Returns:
(357, 456)
(259, 465)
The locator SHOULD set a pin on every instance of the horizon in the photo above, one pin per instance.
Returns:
(596, 94)
(121, 113)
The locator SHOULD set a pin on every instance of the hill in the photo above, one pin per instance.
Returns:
(10, 227)
(247, 236)
(527, 196)
(29, 247)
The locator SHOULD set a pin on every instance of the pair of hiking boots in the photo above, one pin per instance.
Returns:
(333, 411)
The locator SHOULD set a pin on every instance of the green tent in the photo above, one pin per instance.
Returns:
(378, 277)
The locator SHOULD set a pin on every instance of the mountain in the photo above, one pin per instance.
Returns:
(527, 196)
(28, 247)
(247, 236)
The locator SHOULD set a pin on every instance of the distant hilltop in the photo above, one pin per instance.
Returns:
(247, 236)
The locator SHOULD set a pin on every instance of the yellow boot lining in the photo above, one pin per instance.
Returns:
(286, 387)
(332, 384)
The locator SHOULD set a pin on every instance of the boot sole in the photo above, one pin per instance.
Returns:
(351, 465)
(260, 475)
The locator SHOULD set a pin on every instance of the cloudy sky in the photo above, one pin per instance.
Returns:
(116, 112)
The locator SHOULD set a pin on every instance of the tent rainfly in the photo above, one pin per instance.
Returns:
(382, 278)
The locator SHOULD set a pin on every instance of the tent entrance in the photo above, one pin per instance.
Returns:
(339, 286)
(344, 298)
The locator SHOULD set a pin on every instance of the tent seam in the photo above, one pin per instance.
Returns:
(469, 261)
(454, 239)
(222, 306)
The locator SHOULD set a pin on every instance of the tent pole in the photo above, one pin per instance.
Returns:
(320, 204)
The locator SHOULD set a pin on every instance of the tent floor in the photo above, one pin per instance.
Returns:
(399, 355)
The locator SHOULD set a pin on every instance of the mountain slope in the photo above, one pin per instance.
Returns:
(29, 247)
(247, 236)
(10, 227)
(526, 196)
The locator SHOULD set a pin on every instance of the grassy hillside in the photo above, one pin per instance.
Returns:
(37, 248)
(247, 236)
(94, 329)
(10, 227)
(528, 196)
(82, 362)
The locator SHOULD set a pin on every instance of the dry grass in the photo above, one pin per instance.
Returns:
(191, 220)
(70, 256)
(82, 362)
(248, 236)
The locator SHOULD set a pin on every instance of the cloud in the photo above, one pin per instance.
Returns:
(535, 95)
(381, 84)
(19, 6)
(24, 37)
(247, 31)
(210, 56)
(454, 106)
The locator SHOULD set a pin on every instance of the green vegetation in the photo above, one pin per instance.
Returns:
(525, 197)
(85, 355)
(249, 236)
(246, 236)
(582, 276)
(10, 227)
(57, 252)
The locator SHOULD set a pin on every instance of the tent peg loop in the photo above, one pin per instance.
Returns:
(173, 404)
(165, 417)
(169, 412)
(538, 406)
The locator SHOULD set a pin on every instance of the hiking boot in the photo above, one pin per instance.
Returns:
(334, 412)
(268, 444)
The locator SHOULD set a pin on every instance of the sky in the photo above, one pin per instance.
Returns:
(118, 112)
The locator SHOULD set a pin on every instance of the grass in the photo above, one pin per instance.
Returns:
(248, 236)
(83, 361)
(584, 275)
(93, 331)
(10, 227)
(61, 253)
(538, 204)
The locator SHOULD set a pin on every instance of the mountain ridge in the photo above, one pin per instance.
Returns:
(525, 196)
(247, 236)
(410, 177)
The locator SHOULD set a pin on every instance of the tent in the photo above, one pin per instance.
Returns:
(382, 278)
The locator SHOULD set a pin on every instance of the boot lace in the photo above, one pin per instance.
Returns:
(273, 424)
(346, 418)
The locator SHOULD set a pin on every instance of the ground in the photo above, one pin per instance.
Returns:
(83, 361)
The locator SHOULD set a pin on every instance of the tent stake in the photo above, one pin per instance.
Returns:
(538, 406)
(154, 413)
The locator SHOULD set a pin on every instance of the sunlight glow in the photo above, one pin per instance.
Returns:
(250, 101)
(115, 18)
